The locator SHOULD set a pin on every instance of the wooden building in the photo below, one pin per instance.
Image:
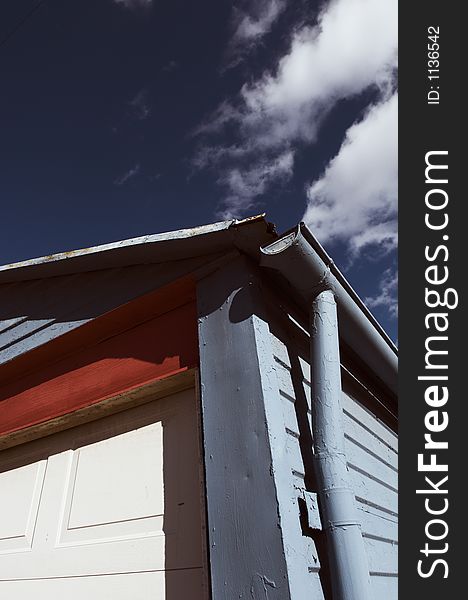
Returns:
(181, 419)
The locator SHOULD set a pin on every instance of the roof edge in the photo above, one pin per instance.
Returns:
(302, 262)
(153, 248)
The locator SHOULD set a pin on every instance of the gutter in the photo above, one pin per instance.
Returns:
(303, 262)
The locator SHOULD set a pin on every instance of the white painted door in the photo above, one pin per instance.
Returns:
(109, 509)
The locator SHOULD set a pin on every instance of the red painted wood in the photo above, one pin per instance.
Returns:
(113, 354)
(123, 317)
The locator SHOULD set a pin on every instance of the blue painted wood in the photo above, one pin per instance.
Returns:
(371, 450)
(35, 312)
(300, 551)
(246, 545)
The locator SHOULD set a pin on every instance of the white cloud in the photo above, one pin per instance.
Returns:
(352, 47)
(248, 183)
(250, 25)
(134, 4)
(127, 175)
(355, 200)
(387, 296)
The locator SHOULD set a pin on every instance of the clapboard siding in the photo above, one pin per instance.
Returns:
(367, 487)
(384, 585)
(294, 453)
(302, 548)
(358, 454)
(370, 445)
(373, 445)
(382, 555)
(376, 524)
(35, 312)
(370, 422)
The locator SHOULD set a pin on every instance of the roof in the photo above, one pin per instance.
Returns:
(246, 234)
(44, 297)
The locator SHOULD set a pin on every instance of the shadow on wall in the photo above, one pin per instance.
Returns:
(119, 362)
(35, 312)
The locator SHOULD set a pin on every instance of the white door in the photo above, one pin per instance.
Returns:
(109, 509)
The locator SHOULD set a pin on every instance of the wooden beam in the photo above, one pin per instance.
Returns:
(246, 546)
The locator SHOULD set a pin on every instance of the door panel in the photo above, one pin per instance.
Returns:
(183, 585)
(113, 501)
(20, 493)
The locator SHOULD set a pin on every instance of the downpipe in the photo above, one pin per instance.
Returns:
(345, 546)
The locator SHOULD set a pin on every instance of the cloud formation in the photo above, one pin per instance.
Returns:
(250, 24)
(140, 105)
(351, 48)
(127, 175)
(387, 296)
(247, 183)
(355, 200)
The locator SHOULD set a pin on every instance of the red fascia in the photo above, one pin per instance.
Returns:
(145, 340)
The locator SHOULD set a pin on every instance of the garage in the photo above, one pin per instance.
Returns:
(107, 509)
(161, 408)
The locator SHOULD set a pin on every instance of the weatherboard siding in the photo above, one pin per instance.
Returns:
(300, 551)
(371, 450)
(33, 313)
(370, 446)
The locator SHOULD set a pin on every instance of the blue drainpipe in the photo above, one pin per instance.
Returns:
(348, 561)
(299, 258)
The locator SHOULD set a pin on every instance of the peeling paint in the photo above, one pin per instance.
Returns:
(350, 579)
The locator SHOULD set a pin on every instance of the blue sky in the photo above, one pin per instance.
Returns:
(126, 117)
